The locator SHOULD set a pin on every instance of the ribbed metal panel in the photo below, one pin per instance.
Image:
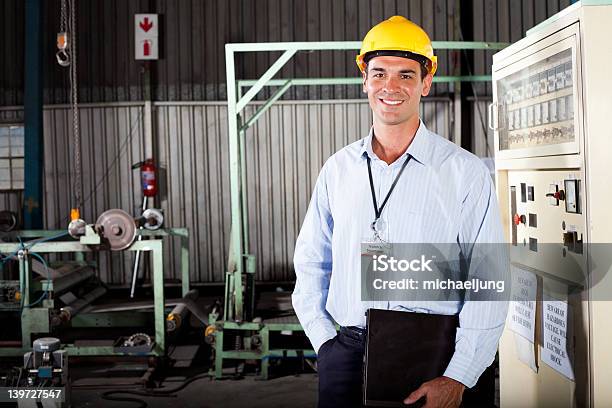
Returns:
(194, 33)
(11, 201)
(112, 139)
(193, 148)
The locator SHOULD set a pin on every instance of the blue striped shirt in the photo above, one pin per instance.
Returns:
(445, 195)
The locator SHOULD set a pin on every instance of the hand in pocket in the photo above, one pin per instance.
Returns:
(325, 348)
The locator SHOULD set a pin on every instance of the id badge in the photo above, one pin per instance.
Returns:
(376, 241)
(375, 246)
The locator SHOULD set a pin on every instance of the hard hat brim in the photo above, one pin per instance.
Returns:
(430, 65)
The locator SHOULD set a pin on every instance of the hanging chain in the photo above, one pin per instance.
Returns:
(75, 109)
(63, 17)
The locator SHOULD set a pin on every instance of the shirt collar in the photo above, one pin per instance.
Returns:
(420, 149)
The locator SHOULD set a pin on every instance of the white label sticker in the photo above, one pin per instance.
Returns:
(555, 350)
(522, 309)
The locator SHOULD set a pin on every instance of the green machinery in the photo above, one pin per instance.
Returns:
(41, 314)
(239, 308)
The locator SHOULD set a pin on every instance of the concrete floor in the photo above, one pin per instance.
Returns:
(297, 391)
(287, 389)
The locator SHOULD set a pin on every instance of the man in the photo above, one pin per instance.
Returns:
(439, 193)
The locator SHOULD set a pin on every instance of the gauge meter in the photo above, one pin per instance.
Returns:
(572, 196)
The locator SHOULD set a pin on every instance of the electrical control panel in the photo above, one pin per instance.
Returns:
(553, 148)
(538, 104)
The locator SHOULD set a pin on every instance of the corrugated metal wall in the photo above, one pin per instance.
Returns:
(195, 31)
(193, 148)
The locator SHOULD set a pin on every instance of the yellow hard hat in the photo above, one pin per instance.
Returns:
(400, 37)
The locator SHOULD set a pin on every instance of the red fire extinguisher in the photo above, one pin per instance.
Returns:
(147, 177)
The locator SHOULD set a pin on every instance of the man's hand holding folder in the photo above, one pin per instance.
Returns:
(441, 392)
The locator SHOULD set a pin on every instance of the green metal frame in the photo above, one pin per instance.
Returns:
(36, 319)
(240, 263)
(264, 353)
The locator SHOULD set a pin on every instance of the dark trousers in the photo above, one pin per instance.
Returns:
(340, 368)
(340, 364)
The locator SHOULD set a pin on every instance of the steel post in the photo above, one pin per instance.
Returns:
(158, 295)
(33, 106)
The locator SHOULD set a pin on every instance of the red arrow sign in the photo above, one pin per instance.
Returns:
(146, 25)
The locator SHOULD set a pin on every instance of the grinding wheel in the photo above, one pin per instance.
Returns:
(118, 228)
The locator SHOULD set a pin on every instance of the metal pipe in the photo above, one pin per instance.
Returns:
(74, 308)
(176, 317)
(137, 259)
(354, 81)
(354, 45)
(262, 109)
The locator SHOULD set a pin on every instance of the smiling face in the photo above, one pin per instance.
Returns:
(394, 87)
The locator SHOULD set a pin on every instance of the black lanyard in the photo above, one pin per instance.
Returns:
(378, 211)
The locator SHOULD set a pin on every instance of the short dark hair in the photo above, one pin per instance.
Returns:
(423, 61)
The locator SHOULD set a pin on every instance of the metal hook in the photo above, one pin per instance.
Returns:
(62, 58)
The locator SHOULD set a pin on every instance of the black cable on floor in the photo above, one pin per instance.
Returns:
(108, 395)
(180, 387)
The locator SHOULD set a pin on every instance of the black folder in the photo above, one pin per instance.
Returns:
(403, 350)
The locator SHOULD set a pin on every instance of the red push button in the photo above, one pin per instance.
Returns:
(518, 219)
